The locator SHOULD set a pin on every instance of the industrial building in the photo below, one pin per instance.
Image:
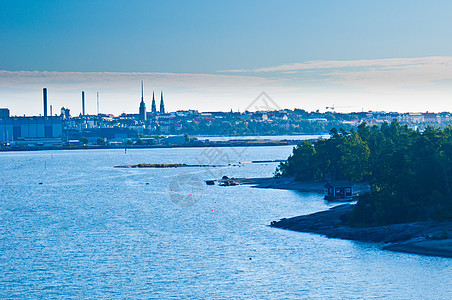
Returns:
(31, 130)
(22, 128)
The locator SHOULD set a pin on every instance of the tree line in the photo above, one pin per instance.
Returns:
(409, 171)
(231, 127)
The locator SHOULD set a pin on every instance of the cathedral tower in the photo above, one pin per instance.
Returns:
(154, 107)
(162, 105)
(142, 105)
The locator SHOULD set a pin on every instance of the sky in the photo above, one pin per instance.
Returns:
(220, 55)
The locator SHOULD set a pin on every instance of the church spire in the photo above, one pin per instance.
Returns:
(162, 105)
(142, 98)
(142, 105)
(153, 107)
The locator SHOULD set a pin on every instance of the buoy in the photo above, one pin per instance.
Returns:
(40, 183)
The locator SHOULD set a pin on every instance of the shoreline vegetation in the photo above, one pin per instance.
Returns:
(409, 172)
(409, 205)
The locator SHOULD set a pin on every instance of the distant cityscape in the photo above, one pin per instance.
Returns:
(160, 127)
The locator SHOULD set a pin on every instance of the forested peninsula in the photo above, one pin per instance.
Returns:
(410, 172)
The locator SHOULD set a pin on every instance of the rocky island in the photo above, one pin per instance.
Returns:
(426, 238)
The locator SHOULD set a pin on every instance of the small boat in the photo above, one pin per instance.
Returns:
(227, 183)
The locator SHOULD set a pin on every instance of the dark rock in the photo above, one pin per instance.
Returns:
(330, 223)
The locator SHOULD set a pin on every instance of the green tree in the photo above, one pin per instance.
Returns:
(84, 140)
(354, 158)
(301, 164)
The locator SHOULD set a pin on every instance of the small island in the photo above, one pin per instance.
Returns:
(409, 205)
(146, 165)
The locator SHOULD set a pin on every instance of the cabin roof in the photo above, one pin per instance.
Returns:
(339, 183)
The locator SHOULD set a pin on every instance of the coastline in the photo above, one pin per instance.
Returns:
(186, 145)
(289, 183)
(426, 238)
(430, 238)
(281, 183)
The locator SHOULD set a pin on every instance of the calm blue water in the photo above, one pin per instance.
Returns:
(94, 231)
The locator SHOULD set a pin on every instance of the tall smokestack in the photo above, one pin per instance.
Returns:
(44, 99)
(83, 103)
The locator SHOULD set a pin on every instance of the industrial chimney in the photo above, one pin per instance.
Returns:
(83, 103)
(44, 98)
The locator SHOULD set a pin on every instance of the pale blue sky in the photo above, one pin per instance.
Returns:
(202, 39)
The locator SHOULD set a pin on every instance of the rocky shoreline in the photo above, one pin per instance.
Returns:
(280, 183)
(425, 238)
(289, 183)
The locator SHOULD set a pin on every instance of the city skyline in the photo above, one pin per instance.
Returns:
(212, 56)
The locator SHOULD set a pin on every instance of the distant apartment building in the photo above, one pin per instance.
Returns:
(444, 118)
(430, 117)
(412, 118)
(388, 117)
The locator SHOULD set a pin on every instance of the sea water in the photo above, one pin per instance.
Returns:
(74, 226)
